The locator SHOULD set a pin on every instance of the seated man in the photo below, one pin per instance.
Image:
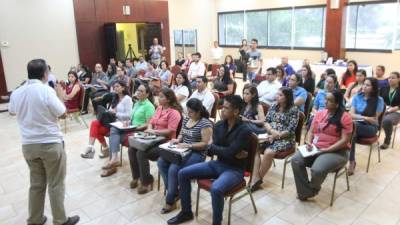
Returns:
(196, 69)
(203, 94)
(230, 139)
(268, 88)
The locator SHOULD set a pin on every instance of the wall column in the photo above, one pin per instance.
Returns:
(335, 29)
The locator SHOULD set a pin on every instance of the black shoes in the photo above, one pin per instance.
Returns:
(44, 221)
(384, 146)
(181, 218)
(72, 220)
(256, 186)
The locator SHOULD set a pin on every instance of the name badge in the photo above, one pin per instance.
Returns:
(315, 140)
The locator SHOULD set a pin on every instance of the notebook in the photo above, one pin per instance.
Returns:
(307, 153)
(120, 126)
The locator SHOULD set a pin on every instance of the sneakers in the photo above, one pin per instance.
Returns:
(72, 220)
(89, 153)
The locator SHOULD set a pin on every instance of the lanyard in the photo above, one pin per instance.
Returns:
(391, 96)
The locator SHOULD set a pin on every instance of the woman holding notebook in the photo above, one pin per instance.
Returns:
(330, 133)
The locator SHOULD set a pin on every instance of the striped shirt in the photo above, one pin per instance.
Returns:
(193, 134)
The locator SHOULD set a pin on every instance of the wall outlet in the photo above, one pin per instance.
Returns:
(4, 44)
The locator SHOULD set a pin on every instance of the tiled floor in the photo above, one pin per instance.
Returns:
(373, 198)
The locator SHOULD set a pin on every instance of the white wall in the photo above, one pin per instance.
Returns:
(37, 29)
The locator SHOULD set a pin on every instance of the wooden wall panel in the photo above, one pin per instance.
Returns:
(3, 85)
(91, 15)
(335, 33)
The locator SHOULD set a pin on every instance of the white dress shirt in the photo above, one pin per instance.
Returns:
(267, 91)
(196, 70)
(206, 97)
(37, 108)
(217, 53)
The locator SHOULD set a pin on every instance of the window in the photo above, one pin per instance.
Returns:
(185, 41)
(280, 28)
(397, 44)
(309, 27)
(257, 26)
(178, 37)
(371, 26)
(289, 27)
(231, 28)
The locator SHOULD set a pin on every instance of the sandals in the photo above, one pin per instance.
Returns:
(256, 186)
(107, 173)
(168, 208)
(110, 165)
(105, 153)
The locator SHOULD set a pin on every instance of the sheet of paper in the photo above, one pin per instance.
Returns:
(306, 153)
(170, 147)
(119, 125)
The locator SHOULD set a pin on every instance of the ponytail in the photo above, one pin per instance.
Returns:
(197, 106)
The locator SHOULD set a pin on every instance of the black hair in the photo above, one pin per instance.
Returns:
(288, 93)
(361, 71)
(36, 69)
(273, 70)
(203, 78)
(241, 44)
(333, 76)
(166, 63)
(348, 74)
(255, 40)
(197, 106)
(337, 117)
(330, 71)
(153, 65)
(309, 72)
(396, 73)
(226, 77)
(254, 102)
(298, 79)
(229, 56)
(197, 53)
(113, 70)
(236, 101)
(186, 81)
(171, 98)
(116, 99)
(372, 102)
(280, 68)
(75, 75)
(148, 91)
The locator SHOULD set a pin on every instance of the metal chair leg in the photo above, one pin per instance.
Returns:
(197, 201)
(333, 188)
(347, 178)
(394, 135)
(379, 153)
(65, 125)
(158, 181)
(273, 163)
(120, 156)
(284, 172)
(229, 210)
(369, 157)
(252, 200)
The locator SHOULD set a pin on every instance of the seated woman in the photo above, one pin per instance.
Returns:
(165, 123)
(182, 88)
(366, 107)
(380, 75)
(195, 134)
(308, 79)
(121, 106)
(223, 84)
(299, 93)
(72, 92)
(330, 132)
(253, 113)
(355, 87)
(349, 76)
(180, 60)
(282, 77)
(280, 123)
(230, 66)
(142, 111)
(320, 98)
(391, 96)
(165, 75)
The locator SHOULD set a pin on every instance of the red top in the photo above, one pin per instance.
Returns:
(349, 80)
(166, 119)
(74, 102)
(328, 136)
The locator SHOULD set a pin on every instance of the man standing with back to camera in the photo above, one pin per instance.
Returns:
(37, 109)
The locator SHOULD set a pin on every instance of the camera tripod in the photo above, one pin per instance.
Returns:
(130, 53)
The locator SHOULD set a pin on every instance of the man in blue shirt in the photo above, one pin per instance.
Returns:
(288, 68)
(299, 93)
(230, 140)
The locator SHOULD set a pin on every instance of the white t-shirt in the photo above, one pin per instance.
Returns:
(37, 108)
(196, 70)
(181, 90)
(217, 53)
(206, 97)
(267, 91)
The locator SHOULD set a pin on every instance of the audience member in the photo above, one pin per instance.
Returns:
(380, 76)
(349, 76)
(308, 79)
(331, 133)
(283, 78)
(230, 66)
(244, 48)
(253, 112)
(203, 93)
(195, 134)
(217, 53)
(268, 88)
(165, 75)
(141, 65)
(156, 51)
(230, 144)
(223, 84)
(254, 60)
(299, 93)
(196, 69)
(182, 88)
(131, 70)
(355, 87)
(52, 80)
(180, 60)
(71, 95)
(280, 123)
(286, 66)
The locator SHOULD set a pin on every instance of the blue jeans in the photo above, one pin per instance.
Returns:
(226, 177)
(169, 173)
(115, 139)
(251, 76)
(363, 130)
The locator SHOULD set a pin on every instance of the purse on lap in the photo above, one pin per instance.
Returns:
(143, 142)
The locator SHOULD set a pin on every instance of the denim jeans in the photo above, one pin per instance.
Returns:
(169, 173)
(226, 177)
(363, 130)
(115, 139)
(251, 76)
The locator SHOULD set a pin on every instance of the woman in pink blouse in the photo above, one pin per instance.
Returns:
(165, 122)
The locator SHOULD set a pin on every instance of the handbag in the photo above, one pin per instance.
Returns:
(104, 116)
(143, 143)
(171, 154)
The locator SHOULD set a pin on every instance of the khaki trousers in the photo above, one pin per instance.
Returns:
(47, 165)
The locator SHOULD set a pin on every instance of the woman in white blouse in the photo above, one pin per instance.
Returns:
(182, 88)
